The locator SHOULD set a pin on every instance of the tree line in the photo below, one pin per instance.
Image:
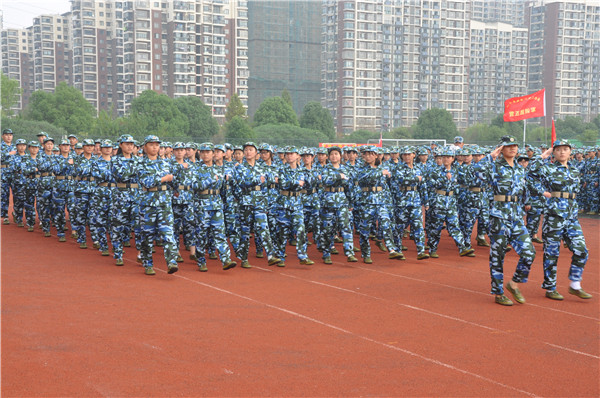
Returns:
(65, 111)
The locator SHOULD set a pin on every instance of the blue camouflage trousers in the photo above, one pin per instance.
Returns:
(100, 208)
(449, 217)
(122, 216)
(81, 217)
(30, 203)
(413, 216)
(290, 222)
(250, 215)
(467, 219)
(555, 229)
(312, 222)
(483, 219)
(59, 201)
(373, 215)
(502, 233)
(335, 219)
(157, 223)
(534, 216)
(211, 223)
(185, 223)
(19, 198)
(5, 196)
(232, 223)
(45, 206)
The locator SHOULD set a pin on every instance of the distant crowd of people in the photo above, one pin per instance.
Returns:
(213, 197)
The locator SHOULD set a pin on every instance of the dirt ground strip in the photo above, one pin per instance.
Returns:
(74, 324)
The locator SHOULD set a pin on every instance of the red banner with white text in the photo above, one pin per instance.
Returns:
(526, 107)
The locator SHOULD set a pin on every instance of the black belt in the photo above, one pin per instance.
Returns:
(372, 189)
(290, 193)
(183, 187)
(334, 189)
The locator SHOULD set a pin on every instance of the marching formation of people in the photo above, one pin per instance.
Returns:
(213, 197)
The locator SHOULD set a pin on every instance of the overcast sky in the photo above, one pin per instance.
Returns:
(20, 13)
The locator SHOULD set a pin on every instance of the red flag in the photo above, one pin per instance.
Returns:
(553, 133)
(526, 107)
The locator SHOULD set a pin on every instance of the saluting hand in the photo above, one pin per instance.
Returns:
(496, 152)
(546, 153)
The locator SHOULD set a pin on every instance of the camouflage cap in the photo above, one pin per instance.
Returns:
(64, 142)
(334, 148)
(20, 141)
(291, 149)
(7, 131)
(79, 145)
(238, 148)
(265, 147)
(151, 138)
(250, 143)
(179, 145)
(561, 143)
(220, 147)
(323, 150)
(88, 141)
(34, 144)
(126, 138)
(48, 139)
(407, 149)
(458, 139)
(508, 140)
(106, 144)
(40, 134)
(447, 151)
(422, 151)
(206, 146)
(72, 136)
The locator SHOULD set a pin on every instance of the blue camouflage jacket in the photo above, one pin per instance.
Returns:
(336, 190)
(150, 172)
(555, 177)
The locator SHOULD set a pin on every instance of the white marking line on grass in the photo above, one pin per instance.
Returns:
(365, 338)
(465, 290)
(438, 314)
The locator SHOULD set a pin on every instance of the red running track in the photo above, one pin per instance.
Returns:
(73, 324)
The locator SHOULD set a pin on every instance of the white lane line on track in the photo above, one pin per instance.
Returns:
(437, 314)
(463, 289)
(365, 338)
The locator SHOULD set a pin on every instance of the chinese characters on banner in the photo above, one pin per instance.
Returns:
(526, 107)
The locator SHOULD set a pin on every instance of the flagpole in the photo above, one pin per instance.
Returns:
(524, 130)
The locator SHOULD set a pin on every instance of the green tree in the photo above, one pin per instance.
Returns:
(106, 126)
(153, 113)
(435, 124)
(315, 117)
(235, 107)
(28, 129)
(401, 133)
(589, 137)
(237, 131)
(511, 128)
(483, 134)
(202, 125)
(275, 110)
(569, 127)
(289, 134)
(9, 94)
(287, 97)
(64, 108)
(361, 136)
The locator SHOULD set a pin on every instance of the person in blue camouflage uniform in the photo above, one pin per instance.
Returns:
(434, 164)
(251, 178)
(444, 182)
(31, 175)
(374, 200)
(534, 202)
(63, 174)
(311, 197)
(591, 182)
(182, 202)
(102, 198)
(482, 201)
(207, 185)
(267, 160)
(579, 163)
(561, 183)
(83, 190)
(472, 199)
(335, 210)
(408, 194)
(8, 150)
(44, 196)
(507, 179)
(230, 204)
(16, 163)
(124, 209)
(290, 217)
(156, 212)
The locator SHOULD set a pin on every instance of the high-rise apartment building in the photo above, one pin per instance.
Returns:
(498, 68)
(285, 51)
(511, 12)
(16, 61)
(51, 52)
(564, 56)
(93, 63)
